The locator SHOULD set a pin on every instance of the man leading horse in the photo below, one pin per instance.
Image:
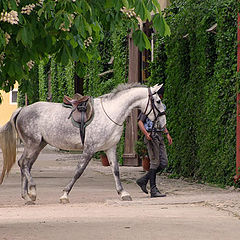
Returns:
(154, 141)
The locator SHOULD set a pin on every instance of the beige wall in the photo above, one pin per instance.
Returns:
(164, 3)
(7, 107)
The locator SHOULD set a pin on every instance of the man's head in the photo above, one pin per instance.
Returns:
(160, 92)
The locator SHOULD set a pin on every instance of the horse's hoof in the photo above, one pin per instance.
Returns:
(28, 199)
(32, 193)
(127, 198)
(32, 197)
(29, 203)
(64, 200)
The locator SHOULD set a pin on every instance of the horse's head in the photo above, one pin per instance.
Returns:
(155, 108)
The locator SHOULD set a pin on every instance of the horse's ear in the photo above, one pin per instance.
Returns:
(156, 88)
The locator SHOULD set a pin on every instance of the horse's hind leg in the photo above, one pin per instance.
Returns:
(28, 186)
(111, 154)
(25, 163)
(85, 158)
(24, 186)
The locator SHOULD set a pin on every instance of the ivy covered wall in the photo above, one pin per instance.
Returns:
(108, 68)
(109, 65)
(31, 87)
(55, 81)
(48, 82)
(199, 71)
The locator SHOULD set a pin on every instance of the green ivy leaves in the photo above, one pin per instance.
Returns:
(200, 79)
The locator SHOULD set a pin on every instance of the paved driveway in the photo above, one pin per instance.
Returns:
(190, 211)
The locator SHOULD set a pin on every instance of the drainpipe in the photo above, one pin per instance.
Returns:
(237, 176)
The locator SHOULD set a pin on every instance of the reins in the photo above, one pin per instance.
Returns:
(120, 125)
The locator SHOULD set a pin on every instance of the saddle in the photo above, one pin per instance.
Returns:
(82, 111)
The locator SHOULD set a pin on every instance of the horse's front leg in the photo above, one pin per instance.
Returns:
(85, 158)
(111, 154)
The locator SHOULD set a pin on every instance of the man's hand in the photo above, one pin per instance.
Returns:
(169, 139)
(148, 136)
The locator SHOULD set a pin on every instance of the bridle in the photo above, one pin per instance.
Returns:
(155, 110)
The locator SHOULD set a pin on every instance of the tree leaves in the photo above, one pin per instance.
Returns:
(2, 40)
(125, 3)
(160, 25)
(156, 3)
(140, 39)
(109, 4)
(62, 27)
(79, 23)
(25, 35)
(141, 10)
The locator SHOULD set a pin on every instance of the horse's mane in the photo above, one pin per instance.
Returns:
(122, 87)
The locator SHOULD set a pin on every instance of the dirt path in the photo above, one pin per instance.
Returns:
(190, 211)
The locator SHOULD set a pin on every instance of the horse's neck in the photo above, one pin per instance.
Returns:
(122, 104)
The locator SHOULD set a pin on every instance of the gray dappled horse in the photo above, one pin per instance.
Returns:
(45, 123)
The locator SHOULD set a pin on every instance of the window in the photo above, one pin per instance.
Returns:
(13, 96)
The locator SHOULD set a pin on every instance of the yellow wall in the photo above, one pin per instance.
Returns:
(6, 107)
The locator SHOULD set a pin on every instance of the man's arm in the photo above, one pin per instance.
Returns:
(144, 131)
(169, 138)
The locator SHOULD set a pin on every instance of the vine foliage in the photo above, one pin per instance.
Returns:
(198, 66)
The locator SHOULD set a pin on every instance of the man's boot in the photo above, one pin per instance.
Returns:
(154, 190)
(142, 183)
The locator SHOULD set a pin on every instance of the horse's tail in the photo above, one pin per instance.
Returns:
(8, 141)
